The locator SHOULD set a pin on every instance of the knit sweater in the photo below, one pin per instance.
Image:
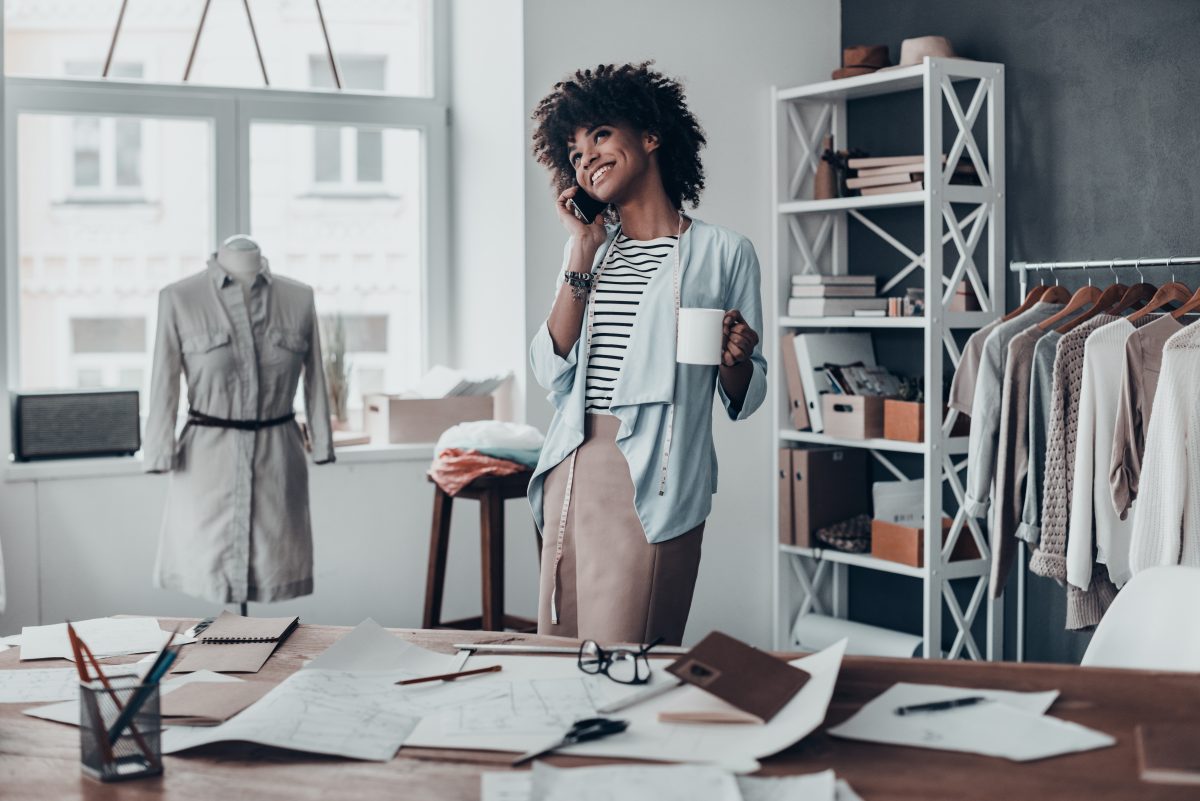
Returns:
(1166, 517)
(1084, 608)
(1093, 523)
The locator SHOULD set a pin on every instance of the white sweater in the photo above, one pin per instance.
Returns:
(1166, 516)
(1091, 509)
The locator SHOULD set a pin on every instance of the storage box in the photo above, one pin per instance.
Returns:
(852, 416)
(391, 419)
(905, 421)
(829, 485)
(907, 545)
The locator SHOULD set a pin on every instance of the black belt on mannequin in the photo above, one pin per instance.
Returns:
(196, 418)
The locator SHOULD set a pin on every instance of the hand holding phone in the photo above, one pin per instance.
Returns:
(585, 206)
(591, 231)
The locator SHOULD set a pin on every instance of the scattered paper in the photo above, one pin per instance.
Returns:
(733, 747)
(541, 706)
(1009, 725)
(208, 703)
(246, 657)
(368, 647)
(810, 787)
(317, 711)
(68, 711)
(636, 783)
(631, 782)
(105, 636)
(813, 632)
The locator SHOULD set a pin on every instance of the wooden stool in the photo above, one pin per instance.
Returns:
(491, 492)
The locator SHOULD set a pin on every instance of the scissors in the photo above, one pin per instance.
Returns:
(580, 731)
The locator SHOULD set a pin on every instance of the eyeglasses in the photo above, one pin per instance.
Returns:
(623, 665)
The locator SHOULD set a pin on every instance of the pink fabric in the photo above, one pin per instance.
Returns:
(455, 468)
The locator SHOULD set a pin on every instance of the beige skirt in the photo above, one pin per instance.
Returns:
(612, 585)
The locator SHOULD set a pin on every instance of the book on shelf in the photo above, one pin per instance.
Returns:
(870, 312)
(830, 280)
(833, 291)
(871, 162)
(879, 180)
(964, 167)
(832, 307)
(912, 186)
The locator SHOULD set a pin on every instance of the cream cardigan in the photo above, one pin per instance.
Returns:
(1166, 517)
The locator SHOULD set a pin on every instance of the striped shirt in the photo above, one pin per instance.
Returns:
(617, 296)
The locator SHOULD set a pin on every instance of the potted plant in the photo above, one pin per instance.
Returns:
(337, 371)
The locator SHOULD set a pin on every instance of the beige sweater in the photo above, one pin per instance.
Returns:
(1084, 608)
(1166, 517)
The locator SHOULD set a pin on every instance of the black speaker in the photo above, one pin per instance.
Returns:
(73, 424)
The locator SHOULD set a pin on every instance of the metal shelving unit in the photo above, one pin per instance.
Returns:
(811, 236)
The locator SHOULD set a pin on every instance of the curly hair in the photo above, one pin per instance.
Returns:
(631, 94)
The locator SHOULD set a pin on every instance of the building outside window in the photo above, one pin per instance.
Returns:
(121, 191)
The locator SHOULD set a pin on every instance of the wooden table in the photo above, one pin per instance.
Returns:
(40, 760)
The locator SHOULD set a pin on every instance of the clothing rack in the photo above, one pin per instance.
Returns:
(1024, 268)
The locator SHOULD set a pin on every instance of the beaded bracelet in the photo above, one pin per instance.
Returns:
(580, 283)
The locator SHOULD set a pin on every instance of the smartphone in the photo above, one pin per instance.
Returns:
(586, 207)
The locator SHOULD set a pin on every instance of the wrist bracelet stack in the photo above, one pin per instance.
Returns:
(580, 283)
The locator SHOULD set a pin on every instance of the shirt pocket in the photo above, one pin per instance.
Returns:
(285, 347)
(207, 351)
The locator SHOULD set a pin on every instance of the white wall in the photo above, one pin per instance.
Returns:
(728, 56)
(85, 547)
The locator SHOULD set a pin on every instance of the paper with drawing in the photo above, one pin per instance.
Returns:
(1010, 725)
(646, 738)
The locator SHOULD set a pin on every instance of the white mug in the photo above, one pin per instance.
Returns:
(701, 336)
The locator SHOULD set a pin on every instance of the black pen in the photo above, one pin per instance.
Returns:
(938, 706)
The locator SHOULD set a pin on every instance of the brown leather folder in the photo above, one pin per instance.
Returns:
(755, 683)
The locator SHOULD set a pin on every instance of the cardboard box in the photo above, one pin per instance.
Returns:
(786, 535)
(907, 545)
(905, 421)
(390, 419)
(852, 416)
(829, 485)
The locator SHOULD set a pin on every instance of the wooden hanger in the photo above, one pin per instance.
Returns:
(1189, 307)
(1108, 298)
(1167, 294)
(1138, 293)
(1083, 297)
(1056, 294)
(1033, 297)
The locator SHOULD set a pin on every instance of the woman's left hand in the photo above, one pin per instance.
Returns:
(740, 339)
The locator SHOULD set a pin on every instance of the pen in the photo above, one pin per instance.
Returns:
(637, 698)
(453, 676)
(938, 706)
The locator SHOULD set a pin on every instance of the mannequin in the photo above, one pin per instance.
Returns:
(240, 256)
(236, 526)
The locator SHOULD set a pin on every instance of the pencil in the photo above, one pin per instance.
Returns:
(77, 647)
(137, 735)
(453, 676)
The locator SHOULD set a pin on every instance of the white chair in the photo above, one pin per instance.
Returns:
(1152, 623)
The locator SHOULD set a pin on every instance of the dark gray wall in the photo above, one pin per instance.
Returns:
(1103, 148)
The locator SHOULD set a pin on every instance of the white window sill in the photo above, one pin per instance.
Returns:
(56, 469)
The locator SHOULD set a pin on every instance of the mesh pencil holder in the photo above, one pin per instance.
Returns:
(136, 752)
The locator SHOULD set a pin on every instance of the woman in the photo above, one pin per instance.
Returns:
(628, 470)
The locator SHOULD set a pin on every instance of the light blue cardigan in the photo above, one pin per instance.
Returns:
(719, 270)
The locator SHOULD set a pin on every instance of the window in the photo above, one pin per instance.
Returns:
(121, 188)
(348, 156)
(41, 36)
(107, 151)
(90, 272)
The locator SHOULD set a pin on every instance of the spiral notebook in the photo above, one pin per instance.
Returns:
(236, 644)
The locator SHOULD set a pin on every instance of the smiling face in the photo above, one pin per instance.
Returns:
(612, 162)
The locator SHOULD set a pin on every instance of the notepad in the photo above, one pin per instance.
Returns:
(1168, 753)
(236, 644)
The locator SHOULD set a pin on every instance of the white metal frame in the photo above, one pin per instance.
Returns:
(812, 235)
(231, 112)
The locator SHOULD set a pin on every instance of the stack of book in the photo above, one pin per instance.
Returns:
(835, 296)
(887, 174)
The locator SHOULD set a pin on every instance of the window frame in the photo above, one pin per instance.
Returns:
(231, 112)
